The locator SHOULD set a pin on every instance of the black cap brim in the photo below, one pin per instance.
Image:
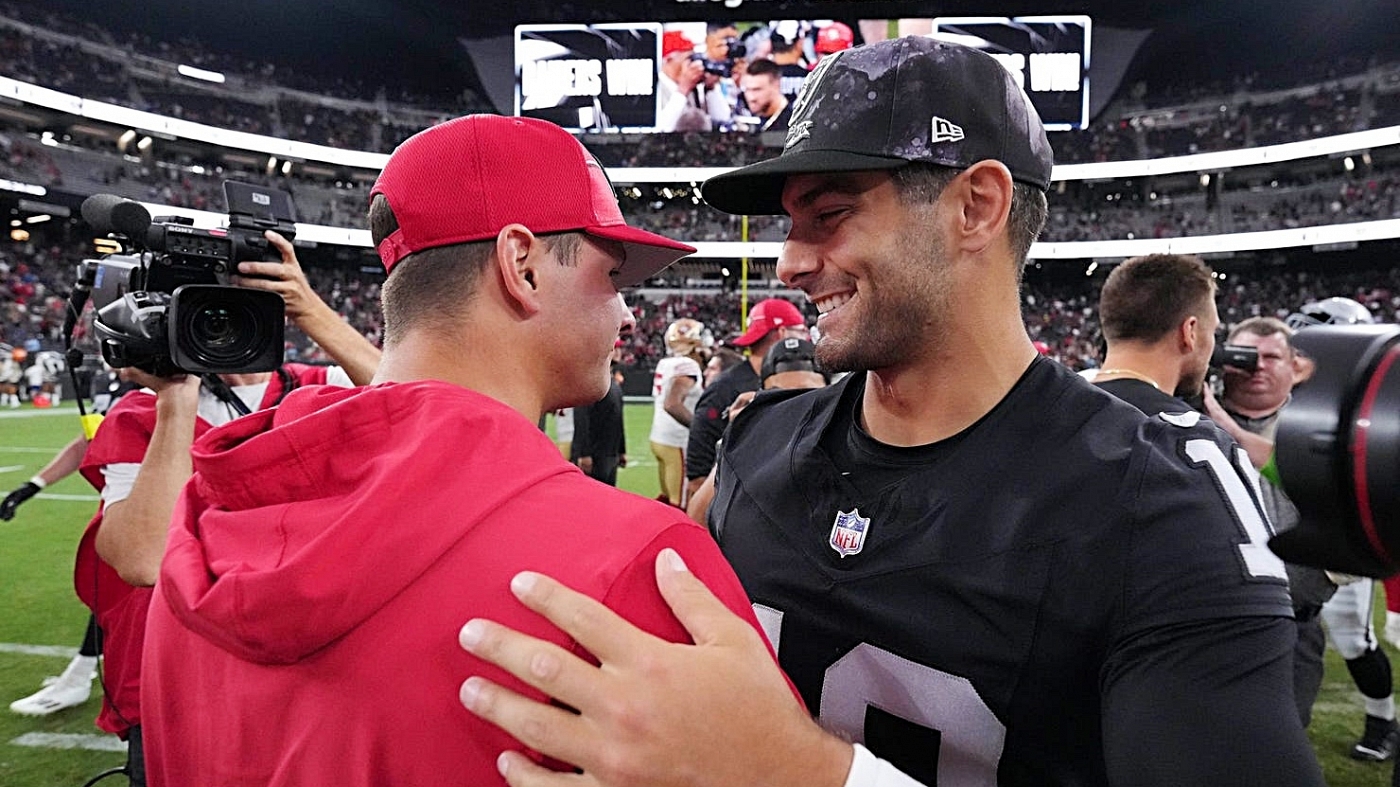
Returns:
(757, 190)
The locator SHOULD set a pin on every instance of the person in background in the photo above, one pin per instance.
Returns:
(675, 389)
(790, 365)
(600, 433)
(770, 321)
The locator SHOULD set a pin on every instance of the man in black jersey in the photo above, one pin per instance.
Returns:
(1159, 319)
(971, 563)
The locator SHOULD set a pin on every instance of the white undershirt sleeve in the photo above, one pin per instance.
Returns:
(120, 478)
(867, 770)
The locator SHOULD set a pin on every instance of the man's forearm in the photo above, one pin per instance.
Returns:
(65, 462)
(133, 532)
(350, 349)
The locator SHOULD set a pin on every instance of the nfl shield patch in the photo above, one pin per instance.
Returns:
(848, 532)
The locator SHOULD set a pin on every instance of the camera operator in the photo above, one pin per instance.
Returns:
(139, 460)
(1251, 404)
(686, 102)
(725, 63)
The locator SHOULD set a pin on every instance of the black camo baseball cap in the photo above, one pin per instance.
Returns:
(884, 105)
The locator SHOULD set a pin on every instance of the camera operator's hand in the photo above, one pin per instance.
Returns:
(286, 278)
(186, 383)
(13, 499)
(312, 315)
(692, 74)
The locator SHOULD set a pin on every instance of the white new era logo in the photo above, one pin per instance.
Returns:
(945, 130)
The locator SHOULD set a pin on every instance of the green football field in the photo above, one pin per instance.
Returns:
(42, 621)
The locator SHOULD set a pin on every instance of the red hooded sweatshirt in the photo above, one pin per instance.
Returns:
(323, 559)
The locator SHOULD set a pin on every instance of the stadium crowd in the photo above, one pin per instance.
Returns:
(36, 278)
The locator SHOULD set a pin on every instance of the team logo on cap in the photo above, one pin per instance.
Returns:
(810, 86)
(797, 132)
(848, 532)
(945, 130)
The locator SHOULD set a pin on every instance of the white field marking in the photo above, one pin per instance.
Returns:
(57, 740)
(11, 468)
(44, 413)
(57, 651)
(16, 449)
(68, 498)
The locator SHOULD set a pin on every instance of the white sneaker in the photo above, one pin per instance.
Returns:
(68, 690)
(53, 698)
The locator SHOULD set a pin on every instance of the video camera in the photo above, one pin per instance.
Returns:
(737, 50)
(1338, 452)
(168, 308)
(1235, 356)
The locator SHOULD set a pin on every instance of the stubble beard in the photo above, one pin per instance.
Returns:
(900, 313)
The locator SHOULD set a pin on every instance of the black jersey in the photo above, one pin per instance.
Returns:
(1071, 593)
(1144, 396)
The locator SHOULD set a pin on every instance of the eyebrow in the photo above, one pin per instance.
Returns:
(832, 184)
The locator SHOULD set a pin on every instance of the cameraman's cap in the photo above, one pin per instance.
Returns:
(673, 41)
(789, 355)
(466, 179)
(884, 105)
(769, 315)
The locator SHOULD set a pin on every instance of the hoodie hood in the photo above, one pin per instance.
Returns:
(302, 521)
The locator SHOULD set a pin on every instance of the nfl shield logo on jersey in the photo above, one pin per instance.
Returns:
(848, 532)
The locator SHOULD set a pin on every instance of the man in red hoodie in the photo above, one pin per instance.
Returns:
(321, 549)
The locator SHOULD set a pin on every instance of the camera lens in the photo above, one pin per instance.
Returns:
(214, 328)
(223, 333)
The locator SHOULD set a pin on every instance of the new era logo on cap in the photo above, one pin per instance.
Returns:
(945, 130)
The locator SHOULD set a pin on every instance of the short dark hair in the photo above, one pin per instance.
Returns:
(1264, 326)
(765, 67)
(431, 286)
(1146, 298)
(919, 182)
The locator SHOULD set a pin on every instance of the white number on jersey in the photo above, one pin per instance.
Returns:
(971, 737)
(1243, 505)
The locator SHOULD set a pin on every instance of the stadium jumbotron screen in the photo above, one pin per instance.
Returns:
(1049, 55)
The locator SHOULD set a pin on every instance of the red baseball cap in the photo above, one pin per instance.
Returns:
(834, 38)
(468, 178)
(768, 315)
(673, 41)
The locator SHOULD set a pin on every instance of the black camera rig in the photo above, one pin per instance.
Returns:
(168, 307)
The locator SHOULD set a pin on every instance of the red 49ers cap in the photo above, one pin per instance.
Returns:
(469, 178)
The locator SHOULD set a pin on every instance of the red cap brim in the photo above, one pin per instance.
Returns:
(647, 253)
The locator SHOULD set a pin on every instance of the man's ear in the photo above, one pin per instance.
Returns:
(518, 257)
(983, 191)
(1186, 333)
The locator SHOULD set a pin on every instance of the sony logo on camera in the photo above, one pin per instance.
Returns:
(168, 306)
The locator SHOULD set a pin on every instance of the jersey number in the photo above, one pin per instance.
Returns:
(1258, 560)
(930, 724)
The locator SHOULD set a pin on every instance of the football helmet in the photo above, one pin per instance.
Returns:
(685, 336)
(1330, 311)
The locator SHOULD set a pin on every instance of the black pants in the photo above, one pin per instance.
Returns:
(135, 758)
(605, 469)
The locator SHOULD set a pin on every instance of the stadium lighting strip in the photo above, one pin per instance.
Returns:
(1342, 234)
(152, 123)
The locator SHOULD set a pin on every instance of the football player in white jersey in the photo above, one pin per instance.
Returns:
(676, 388)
